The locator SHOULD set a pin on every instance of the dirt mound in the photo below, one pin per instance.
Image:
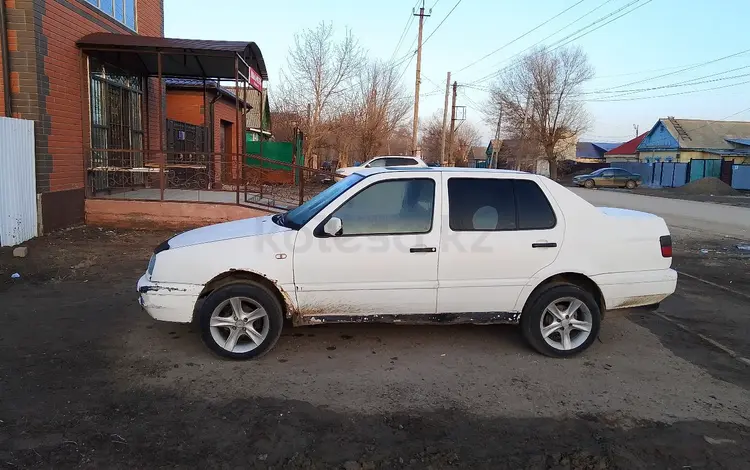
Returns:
(706, 186)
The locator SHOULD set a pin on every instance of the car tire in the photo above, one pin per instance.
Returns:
(589, 184)
(247, 335)
(538, 319)
(630, 184)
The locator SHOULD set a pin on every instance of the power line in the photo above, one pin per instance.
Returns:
(562, 42)
(670, 94)
(441, 23)
(403, 36)
(523, 35)
(691, 67)
(605, 24)
(549, 36)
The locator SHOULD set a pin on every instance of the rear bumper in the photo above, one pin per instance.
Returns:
(168, 302)
(643, 289)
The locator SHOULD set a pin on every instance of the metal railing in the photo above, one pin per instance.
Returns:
(152, 175)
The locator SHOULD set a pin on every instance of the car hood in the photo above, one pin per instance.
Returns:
(226, 231)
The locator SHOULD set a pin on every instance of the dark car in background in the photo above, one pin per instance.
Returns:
(608, 178)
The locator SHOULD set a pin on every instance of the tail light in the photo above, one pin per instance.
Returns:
(666, 246)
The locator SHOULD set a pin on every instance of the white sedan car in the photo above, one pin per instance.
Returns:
(439, 246)
(381, 162)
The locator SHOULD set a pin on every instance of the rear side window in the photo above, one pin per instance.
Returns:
(534, 210)
(400, 161)
(490, 204)
(481, 204)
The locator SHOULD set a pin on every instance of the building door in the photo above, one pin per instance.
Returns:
(226, 151)
(726, 171)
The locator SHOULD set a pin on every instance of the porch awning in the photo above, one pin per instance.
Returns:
(180, 57)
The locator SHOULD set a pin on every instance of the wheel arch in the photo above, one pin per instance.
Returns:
(577, 279)
(237, 276)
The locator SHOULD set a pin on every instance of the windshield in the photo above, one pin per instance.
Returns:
(297, 218)
(597, 172)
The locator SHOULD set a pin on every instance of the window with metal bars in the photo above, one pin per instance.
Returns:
(121, 10)
(116, 119)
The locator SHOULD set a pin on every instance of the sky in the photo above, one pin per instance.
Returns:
(659, 37)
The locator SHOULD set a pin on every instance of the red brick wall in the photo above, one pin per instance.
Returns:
(185, 106)
(49, 85)
(67, 22)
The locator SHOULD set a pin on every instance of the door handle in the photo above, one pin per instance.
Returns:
(423, 250)
(544, 245)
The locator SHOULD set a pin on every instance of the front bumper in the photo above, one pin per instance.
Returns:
(168, 302)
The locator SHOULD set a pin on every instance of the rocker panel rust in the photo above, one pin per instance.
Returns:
(473, 318)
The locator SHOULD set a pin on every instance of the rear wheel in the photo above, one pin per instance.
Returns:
(241, 321)
(561, 321)
(589, 184)
(630, 184)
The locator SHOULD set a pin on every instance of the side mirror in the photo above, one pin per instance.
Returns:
(333, 227)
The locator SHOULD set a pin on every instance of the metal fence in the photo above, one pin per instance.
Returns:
(18, 213)
(659, 175)
(741, 177)
(204, 177)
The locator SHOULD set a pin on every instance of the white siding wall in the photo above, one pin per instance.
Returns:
(18, 218)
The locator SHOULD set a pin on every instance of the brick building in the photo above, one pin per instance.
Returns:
(44, 77)
(90, 74)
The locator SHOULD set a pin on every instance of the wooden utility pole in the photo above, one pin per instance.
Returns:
(445, 119)
(415, 130)
(453, 124)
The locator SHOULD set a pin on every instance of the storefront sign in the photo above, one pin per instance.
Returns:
(255, 80)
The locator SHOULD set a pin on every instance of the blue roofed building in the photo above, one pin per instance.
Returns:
(593, 152)
(683, 140)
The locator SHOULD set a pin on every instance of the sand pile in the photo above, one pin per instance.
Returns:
(708, 186)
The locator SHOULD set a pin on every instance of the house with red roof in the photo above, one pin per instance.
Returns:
(627, 152)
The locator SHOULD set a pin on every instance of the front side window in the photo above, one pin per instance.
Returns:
(608, 174)
(389, 208)
(298, 217)
(490, 204)
(121, 10)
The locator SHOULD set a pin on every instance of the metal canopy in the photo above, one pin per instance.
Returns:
(180, 57)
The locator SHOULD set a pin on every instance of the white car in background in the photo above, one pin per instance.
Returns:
(417, 245)
(381, 162)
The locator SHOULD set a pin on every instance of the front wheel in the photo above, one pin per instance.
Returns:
(630, 184)
(589, 184)
(561, 321)
(241, 321)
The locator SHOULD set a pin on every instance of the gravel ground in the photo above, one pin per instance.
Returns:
(88, 380)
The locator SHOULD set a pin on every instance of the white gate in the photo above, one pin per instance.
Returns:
(18, 221)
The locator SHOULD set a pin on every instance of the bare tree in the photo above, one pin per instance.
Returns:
(383, 105)
(539, 100)
(465, 137)
(320, 70)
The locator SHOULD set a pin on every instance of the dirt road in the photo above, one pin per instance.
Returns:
(701, 216)
(88, 380)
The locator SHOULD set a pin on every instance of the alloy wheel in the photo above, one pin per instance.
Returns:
(566, 323)
(239, 324)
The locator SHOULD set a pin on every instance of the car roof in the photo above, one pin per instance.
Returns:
(434, 169)
(412, 157)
